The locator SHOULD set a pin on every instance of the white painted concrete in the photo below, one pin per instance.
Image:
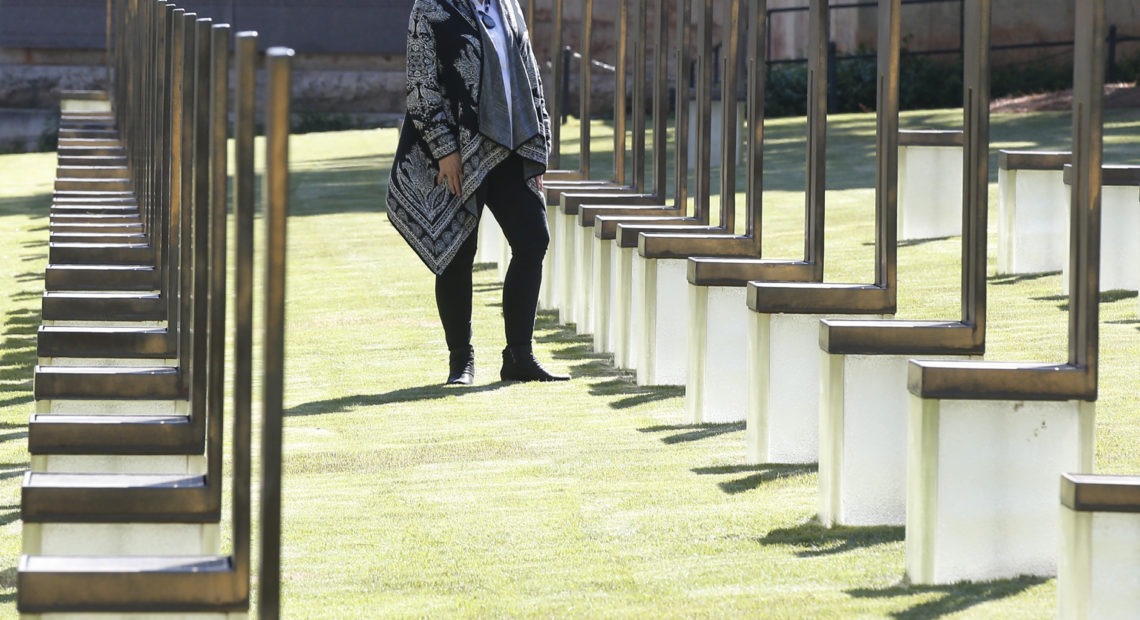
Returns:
(635, 325)
(717, 378)
(119, 539)
(583, 239)
(565, 262)
(930, 192)
(1098, 573)
(662, 343)
(783, 365)
(864, 407)
(983, 484)
(548, 292)
(600, 288)
(1033, 208)
(1119, 250)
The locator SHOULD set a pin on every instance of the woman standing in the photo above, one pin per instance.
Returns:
(476, 133)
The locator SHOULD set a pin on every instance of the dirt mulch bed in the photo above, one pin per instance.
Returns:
(1115, 96)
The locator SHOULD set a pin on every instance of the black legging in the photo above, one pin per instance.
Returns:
(522, 216)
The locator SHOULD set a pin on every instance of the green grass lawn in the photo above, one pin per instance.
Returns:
(581, 499)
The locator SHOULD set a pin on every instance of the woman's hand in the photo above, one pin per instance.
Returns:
(451, 173)
(539, 182)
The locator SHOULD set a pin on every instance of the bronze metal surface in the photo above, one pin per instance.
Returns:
(620, 90)
(554, 103)
(588, 213)
(629, 231)
(898, 337)
(244, 206)
(584, 86)
(1110, 174)
(702, 170)
(95, 253)
(277, 211)
(1033, 160)
(819, 298)
(100, 278)
(1077, 378)
(105, 342)
(108, 382)
(116, 498)
(999, 380)
(737, 271)
(57, 433)
(102, 306)
(130, 584)
(571, 203)
(1100, 493)
(606, 226)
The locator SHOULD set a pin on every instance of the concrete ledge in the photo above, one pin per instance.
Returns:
(982, 485)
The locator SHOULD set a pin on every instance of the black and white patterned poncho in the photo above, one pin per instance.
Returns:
(445, 61)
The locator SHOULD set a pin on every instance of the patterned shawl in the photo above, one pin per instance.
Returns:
(445, 66)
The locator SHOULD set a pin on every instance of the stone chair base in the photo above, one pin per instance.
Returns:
(718, 355)
(660, 325)
(1098, 573)
(783, 370)
(864, 407)
(982, 485)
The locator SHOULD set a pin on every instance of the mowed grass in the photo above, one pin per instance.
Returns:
(592, 498)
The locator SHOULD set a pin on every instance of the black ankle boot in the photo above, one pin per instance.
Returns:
(519, 365)
(461, 369)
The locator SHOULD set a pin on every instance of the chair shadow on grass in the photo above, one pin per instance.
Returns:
(1016, 278)
(955, 598)
(815, 540)
(684, 433)
(346, 404)
(612, 381)
(757, 476)
(1106, 297)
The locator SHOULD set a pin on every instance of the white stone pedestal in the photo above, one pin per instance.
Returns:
(930, 192)
(661, 322)
(982, 485)
(1119, 239)
(1098, 573)
(783, 362)
(601, 272)
(564, 261)
(1033, 211)
(717, 378)
(864, 407)
(583, 267)
(548, 292)
(622, 301)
